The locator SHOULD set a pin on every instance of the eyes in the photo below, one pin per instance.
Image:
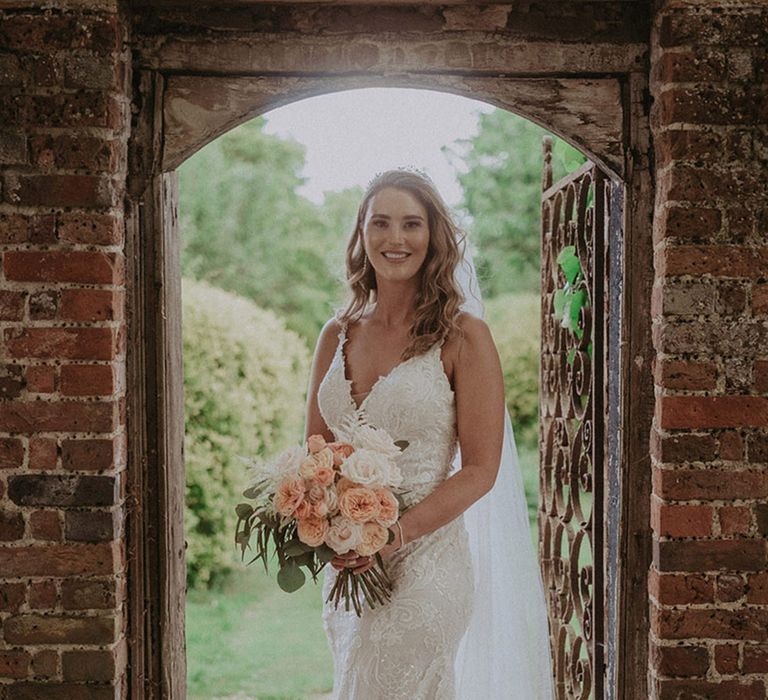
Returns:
(383, 223)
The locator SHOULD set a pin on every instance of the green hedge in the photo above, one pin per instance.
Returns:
(245, 379)
(514, 320)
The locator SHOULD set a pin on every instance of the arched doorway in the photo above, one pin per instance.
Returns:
(182, 103)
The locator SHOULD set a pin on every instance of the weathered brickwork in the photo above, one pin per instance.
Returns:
(708, 587)
(64, 126)
(64, 115)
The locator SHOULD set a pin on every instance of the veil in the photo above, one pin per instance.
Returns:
(505, 652)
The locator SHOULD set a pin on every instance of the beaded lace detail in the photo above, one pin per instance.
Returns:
(404, 649)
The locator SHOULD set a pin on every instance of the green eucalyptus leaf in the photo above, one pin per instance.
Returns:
(294, 548)
(243, 510)
(290, 577)
(325, 553)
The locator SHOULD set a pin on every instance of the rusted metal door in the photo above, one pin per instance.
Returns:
(574, 420)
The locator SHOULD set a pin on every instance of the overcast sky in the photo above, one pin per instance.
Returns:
(352, 135)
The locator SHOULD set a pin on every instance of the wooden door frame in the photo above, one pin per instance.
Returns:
(155, 389)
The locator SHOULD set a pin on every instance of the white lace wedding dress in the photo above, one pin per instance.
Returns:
(405, 648)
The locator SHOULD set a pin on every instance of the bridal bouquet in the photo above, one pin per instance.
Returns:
(322, 499)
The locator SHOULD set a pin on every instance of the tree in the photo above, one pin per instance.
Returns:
(501, 177)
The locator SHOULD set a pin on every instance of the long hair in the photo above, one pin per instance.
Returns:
(439, 297)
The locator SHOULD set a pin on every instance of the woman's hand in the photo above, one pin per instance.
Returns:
(358, 563)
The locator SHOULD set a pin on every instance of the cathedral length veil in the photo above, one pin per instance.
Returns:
(505, 651)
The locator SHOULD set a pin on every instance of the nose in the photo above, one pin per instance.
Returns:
(397, 234)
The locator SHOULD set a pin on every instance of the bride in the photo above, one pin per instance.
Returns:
(412, 354)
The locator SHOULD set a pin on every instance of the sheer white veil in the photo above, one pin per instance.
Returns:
(505, 652)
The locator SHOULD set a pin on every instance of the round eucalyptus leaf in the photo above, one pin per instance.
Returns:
(325, 553)
(243, 510)
(290, 577)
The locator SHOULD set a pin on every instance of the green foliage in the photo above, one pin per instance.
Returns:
(246, 229)
(569, 300)
(515, 323)
(501, 178)
(244, 385)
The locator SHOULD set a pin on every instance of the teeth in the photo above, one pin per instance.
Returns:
(395, 255)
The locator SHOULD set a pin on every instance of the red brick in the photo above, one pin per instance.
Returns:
(92, 304)
(80, 266)
(710, 555)
(709, 484)
(87, 380)
(45, 663)
(711, 690)
(67, 152)
(708, 105)
(716, 260)
(681, 589)
(731, 446)
(684, 661)
(14, 228)
(686, 374)
(757, 588)
(89, 665)
(60, 629)
(56, 342)
(91, 228)
(58, 560)
(694, 222)
(11, 525)
(43, 453)
(41, 379)
(91, 454)
(730, 588)
(690, 64)
(672, 520)
(14, 663)
(45, 525)
(757, 447)
(42, 595)
(82, 108)
(760, 299)
(710, 623)
(11, 452)
(44, 305)
(727, 658)
(24, 690)
(59, 416)
(755, 659)
(12, 596)
(61, 190)
(42, 229)
(683, 447)
(712, 411)
(63, 489)
(41, 33)
(90, 526)
(735, 520)
(12, 305)
(88, 594)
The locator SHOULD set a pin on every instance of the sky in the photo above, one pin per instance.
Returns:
(350, 136)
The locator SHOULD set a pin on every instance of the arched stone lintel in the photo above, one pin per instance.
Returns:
(586, 112)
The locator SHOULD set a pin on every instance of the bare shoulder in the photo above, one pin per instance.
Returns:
(474, 340)
(328, 336)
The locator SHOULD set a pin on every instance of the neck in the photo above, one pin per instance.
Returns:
(395, 303)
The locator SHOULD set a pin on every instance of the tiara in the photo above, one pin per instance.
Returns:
(402, 169)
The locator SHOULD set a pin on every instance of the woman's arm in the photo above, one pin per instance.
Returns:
(479, 386)
(324, 352)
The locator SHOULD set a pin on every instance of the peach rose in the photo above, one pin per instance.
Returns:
(312, 530)
(308, 467)
(289, 495)
(343, 484)
(388, 507)
(325, 475)
(324, 458)
(343, 534)
(373, 539)
(341, 450)
(359, 504)
(315, 443)
(304, 509)
(315, 493)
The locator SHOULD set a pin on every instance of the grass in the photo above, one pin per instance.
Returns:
(251, 640)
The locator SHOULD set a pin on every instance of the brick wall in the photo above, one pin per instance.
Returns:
(709, 448)
(63, 132)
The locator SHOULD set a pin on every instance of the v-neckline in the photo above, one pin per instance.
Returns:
(381, 378)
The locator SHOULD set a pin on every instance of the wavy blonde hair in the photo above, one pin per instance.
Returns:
(439, 297)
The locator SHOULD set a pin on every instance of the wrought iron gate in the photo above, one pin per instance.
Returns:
(572, 436)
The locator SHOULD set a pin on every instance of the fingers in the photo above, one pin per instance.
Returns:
(353, 561)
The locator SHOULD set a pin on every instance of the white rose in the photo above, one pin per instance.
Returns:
(287, 463)
(343, 534)
(367, 468)
(331, 500)
(367, 437)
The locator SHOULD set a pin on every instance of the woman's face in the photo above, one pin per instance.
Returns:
(395, 222)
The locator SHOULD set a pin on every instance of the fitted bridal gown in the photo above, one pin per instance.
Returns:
(405, 648)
